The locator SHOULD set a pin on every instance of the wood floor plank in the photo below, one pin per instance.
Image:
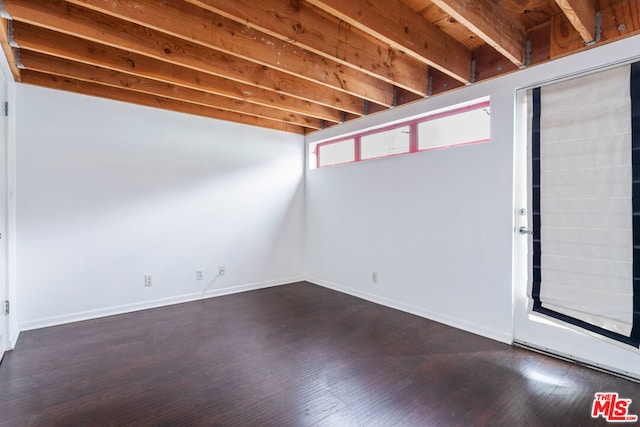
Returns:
(293, 355)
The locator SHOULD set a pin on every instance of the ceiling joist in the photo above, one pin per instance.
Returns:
(87, 52)
(200, 26)
(8, 49)
(404, 29)
(89, 73)
(93, 89)
(494, 25)
(66, 18)
(315, 30)
(292, 65)
(582, 15)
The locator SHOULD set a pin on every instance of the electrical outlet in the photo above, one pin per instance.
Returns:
(221, 271)
(374, 277)
(148, 281)
(199, 275)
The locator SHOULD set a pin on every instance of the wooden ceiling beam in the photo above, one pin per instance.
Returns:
(64, 68)
(315, 30)
(80, 22)
(491, 23)
(8, 49)
(404, 29)
(200, 26)
(93, 89)
(620, 19)
(80, 50)
(582, 15)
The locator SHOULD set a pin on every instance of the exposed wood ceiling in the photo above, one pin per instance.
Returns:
(293, 65)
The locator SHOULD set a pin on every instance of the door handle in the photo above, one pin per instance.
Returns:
(523, 230)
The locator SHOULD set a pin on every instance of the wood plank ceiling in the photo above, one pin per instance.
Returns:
(293, 65)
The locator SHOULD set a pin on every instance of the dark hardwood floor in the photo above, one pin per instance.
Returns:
(295, 355)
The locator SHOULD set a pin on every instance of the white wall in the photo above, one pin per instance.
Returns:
(109, 192)
(436, 226)
(8, 169)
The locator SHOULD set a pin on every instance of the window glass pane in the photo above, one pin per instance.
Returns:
(337, 152)
(386, 143)
(468, 126)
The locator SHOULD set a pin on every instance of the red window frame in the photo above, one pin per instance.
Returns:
(413, 135)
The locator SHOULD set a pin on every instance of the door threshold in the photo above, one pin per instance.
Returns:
(607, 370)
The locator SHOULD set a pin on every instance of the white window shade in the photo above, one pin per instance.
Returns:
(582, 197)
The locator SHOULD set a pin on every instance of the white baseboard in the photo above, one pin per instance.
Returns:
(443, 318)
(144, 305)
(127, 308)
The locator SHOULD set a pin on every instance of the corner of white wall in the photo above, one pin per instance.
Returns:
(13, 326)
(436, 316)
